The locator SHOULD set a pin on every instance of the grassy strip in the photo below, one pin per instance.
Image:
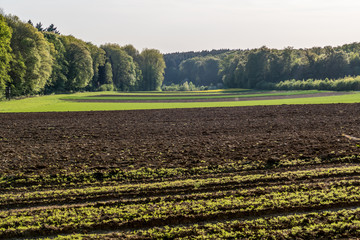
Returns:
(190, 97)
(212, 92)
(54, 104)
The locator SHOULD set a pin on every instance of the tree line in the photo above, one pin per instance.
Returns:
(199, 68)
(38, 60)
(264, 67)
(340, 84)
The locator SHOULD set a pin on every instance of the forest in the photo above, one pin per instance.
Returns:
(322, 68)
(39, 60)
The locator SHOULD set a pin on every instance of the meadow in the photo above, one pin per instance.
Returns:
(154, 100)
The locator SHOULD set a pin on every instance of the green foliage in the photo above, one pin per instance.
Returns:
(343, 84)
(184, 87)
(32, 61)
(201, 71)
(106, 87)
(40, 60)
(58, 79)
(173, 61)
(232, 70)
(152, 66)
(80, 63)
(52, 29)
(37, 60)
(17, 74)
(251, 68)
(105, 74)
(99, 58)
(39, 27)
(133, 52)
(5, 53)
(257, 67)
(124, 70)
(145, 198)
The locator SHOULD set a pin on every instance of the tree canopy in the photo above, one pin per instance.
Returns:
(255, 68)
(123, 67)
(31, 64)
(38, 59)
(153, 69)
(5, 53)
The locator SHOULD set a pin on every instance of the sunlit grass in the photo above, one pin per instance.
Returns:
(200, 95)
(208, 92)
(53, 103)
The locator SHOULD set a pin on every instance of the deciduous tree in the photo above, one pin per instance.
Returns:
(32, 62)
(5, 53)
(123, 67)
(153, 68)
(78, 56)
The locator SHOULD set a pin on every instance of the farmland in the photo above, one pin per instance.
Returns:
(112, 101)
(237, 172)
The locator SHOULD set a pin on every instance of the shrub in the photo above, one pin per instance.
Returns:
(342, 84)
(106, 87)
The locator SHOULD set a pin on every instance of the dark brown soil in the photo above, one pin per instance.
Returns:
(49, 142)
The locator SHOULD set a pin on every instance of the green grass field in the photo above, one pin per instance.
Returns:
(187, 96)
(54, 103)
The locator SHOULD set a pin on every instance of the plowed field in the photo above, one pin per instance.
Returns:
(44, 142)
(204, 172)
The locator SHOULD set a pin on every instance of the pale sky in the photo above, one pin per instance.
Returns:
(195, 25)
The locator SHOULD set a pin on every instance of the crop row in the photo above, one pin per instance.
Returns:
(245, 183)
(323, 225)
(87, 177)
(116, 198)
(160, 213)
